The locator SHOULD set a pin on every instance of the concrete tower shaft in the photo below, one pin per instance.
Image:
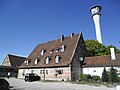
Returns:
(95, 11)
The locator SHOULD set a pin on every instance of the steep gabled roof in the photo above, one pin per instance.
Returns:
(14, 60)
(65, 57)
(102, 61)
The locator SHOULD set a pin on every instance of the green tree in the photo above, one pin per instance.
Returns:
(105, 76)
(95, 48)
(113, 77)
(117, 51)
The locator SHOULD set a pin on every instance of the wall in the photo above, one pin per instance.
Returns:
(6, 61)
(50, 75)
(76, 63)
(97, 70)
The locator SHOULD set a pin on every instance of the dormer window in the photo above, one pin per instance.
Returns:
(57, 50)
(62, 49)
(57, 59)
(42, 52)
(47, 60)
(51, 51)
(36, 61)
(26, 62)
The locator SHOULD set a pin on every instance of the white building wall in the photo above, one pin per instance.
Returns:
(97, 70)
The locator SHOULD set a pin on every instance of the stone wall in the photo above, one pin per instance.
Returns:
(80, 52)
(62, 73)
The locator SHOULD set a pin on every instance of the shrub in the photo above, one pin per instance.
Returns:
(96, 78)
(85, 77)
(105, 76)
(88, 77)
(82, 76)
(113, 77)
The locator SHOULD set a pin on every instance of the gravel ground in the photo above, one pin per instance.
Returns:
(19, 84)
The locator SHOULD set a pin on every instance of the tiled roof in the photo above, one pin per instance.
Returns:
(102, 61)
(16, 60)
(65, 56)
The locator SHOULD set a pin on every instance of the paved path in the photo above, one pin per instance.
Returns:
(19, 84)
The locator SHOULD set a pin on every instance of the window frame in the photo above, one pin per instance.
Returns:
(36, 61)
(42, 52)
(62, 49)
(47, 60)
(57, 59)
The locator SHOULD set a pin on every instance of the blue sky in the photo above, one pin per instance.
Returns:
(26, 23)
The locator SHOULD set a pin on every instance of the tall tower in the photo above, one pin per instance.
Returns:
(95, 11)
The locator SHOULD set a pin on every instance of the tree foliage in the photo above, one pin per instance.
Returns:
(110, 76)
(105, 76)
(97, 49)
(113, 77)
(117, 51)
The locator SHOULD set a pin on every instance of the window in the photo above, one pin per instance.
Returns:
(47, 60)
(94, 70)
(60, 71)
(46, 71)
(57, 59)
(51, 51)
(26, 62)
(32, 71)
(36, 61)
(40, 71)
(43, 71)
(42, 52)
(62, 49)
(57, 50)
(56, 71)
(23, 73)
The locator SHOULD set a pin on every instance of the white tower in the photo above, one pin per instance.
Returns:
(95, 10)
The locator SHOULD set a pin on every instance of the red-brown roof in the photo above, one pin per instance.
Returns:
(102, 61)
(69, 44)
(15, 61)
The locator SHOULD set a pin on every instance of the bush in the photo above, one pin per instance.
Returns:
(88, 77)
(105, 76)
(110, 76)
(85, 77)
(96, 78)
(113, 77)
(82, 76)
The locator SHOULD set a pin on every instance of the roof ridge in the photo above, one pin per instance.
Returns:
(16, 55)
(101, 56)
(56, 39)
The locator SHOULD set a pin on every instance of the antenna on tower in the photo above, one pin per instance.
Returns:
(95, 11)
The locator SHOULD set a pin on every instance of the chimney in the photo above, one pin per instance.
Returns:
(112, 51)
(62, 38)
(72, 34)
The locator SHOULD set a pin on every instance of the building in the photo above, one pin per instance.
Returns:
(59, 59)
(11, 64)
(95, 65)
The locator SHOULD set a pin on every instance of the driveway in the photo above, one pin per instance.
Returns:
(20, 84)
